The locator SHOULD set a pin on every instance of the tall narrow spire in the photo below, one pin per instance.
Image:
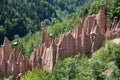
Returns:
(118, 25)
(7, 48)
(3, 66)
(3, 53)
(114, 23)
(0, 56)
(80, 27)
(102, 19)
(11, 69)
(15, 50)
(44, 34)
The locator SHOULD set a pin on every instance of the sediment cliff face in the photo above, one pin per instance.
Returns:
(88, 37)
(12, 64)
(114, 31)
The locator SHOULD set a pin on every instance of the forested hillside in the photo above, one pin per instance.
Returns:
(20, 21)
(92, 7)
(104, 65)
(61, 22)
(68, 5)
(23, 16)
(20, 17)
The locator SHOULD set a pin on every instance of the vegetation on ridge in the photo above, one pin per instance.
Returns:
(104, 65)
(24, 16)
(54, 25)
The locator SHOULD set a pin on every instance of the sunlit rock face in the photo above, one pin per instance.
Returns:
(97, 38)
(102, 19)
(0, 56)
(88, 37)
(49, 57)
(12, 66)
(85, 43)
(65, 46)
(85, 39)
(7, 48)
(12, 63)
(114, 31)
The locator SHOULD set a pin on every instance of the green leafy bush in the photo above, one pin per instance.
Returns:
(103, 65)
(66, 70)
(91, 69)
(28, 43)
(38, 74)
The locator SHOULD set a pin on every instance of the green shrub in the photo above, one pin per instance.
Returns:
(30, 76)
(81, 67)
(71, 68)
(66, 70)
(28, 43)
(38, 74)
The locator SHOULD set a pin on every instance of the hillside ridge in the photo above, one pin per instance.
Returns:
(87, 38)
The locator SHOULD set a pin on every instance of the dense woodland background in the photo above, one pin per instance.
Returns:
(24, 16)
(20, 20)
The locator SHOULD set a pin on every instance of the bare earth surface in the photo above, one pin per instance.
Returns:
(117, 40)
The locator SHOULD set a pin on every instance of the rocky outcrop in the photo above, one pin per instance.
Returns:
(97, 38)
(0, 56)
(88, 37)
(66, 46)
(86, 43)
(10, 63)
(102, 19)
(49, 57)
(7, 48)
(11, 69)
(114, 32)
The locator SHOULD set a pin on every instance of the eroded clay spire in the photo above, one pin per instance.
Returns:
(80, 26)
(15, 50)
(0, 56)
(102, 19)
(7, 47)
(114, 23)
(44, 34)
